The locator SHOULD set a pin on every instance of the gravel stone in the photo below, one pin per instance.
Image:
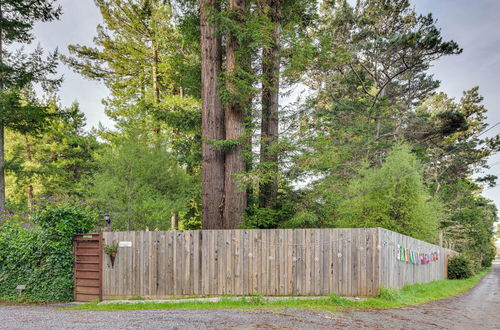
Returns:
(477, 309)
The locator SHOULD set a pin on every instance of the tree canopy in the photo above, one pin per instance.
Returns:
(204, 135)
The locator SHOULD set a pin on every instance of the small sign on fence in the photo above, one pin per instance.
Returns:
(125, 244)
(20, 288)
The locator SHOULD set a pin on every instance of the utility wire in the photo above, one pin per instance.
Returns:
(491, 127)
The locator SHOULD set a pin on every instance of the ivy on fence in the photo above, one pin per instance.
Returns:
(41, 257)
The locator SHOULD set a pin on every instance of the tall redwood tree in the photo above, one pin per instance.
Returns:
(212, 125)
(236, 61)
(270, 105)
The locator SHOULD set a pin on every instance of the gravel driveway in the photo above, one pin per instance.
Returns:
(477, 309)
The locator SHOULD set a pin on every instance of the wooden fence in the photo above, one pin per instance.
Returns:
(396, 274)
(348, 262)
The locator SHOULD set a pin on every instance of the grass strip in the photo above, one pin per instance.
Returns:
(410, 295)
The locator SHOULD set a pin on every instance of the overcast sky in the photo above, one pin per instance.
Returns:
(474, 24)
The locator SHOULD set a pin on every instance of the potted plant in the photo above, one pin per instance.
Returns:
(111, 250)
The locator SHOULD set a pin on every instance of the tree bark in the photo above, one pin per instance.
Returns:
(235, 194)
(156, 61)
(270, 107)
(29, 157)
(212, 119)
(174, 222)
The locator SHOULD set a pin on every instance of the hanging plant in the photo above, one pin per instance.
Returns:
(111, 250)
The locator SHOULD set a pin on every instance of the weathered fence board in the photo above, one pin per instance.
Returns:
(348, 262)
(395, 273)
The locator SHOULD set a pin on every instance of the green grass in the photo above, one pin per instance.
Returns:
(410, 295)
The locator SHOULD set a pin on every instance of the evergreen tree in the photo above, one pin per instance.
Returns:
(141, 186)
(369, 74)
(56, 161)
(469, 226)
(147, 58)
(18, 70)
(139, 53)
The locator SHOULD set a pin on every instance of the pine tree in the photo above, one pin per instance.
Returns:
(18, 70)
(140, 184)
(52, 162)
(138, 53)
(146, 56)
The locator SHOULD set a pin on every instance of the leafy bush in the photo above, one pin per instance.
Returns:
(303, 219)
(491, 252)
(269, 218)
(460, 267)
(191, 218)
(41, 257)
(262, 218)
(394, 197)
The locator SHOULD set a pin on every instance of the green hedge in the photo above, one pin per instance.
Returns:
(460, 267)
(41, 257)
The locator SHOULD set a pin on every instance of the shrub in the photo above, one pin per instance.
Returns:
(262, 218)
(394, 197)
(460, 267)
(41, 257)
(303, 219)
(488, 257)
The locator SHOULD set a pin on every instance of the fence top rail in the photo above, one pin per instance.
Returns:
(255, 230)
(385, 242)
(412, 238)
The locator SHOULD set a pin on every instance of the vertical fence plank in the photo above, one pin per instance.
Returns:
(229, 270)
(282, 272)
(290, 262)
(251, 244)
(272, 262)
(244, 262)
(300, 271)
(256, 261)
(237, 262)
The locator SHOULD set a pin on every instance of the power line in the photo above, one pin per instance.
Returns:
(498, 123)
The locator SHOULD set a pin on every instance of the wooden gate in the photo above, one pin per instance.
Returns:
(87, 274)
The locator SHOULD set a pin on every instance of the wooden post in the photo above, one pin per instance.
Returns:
(174, 222)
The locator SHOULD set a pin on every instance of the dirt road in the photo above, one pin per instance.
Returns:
(477, 309)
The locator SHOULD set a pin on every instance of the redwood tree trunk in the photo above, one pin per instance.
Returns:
(270, 108)
(212, 124)
(235, 194)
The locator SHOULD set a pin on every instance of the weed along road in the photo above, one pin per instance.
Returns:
(479, 308)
